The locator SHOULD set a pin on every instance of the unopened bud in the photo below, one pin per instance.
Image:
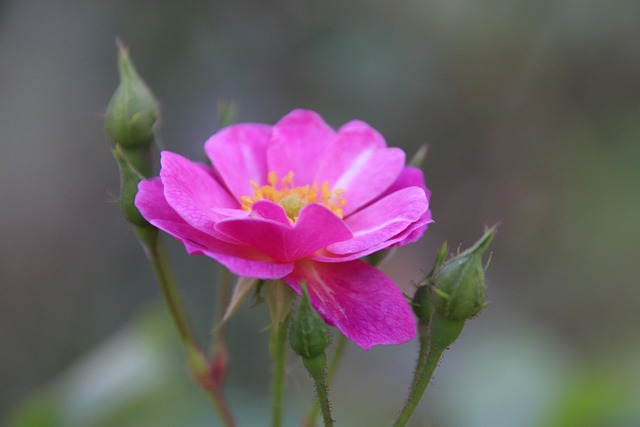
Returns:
(308, 334)
(443, 332)
(133, 110)
(422, 304)
(459, 282)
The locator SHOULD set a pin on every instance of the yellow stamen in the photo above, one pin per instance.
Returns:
(293, 198)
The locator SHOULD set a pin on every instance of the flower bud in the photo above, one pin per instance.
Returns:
(459, 282)
(422, 304)
(308, 334)
(443, 332)
(133, 109)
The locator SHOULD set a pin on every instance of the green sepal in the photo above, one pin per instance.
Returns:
(129, 179)
(226, 112)
(280, 299)
(422, 304)
(420, 156)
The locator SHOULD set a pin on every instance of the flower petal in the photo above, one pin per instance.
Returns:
(410, 176)
(267, 209)
(239, 153)
(243, 261)
(382, 220)
(298, 143)
(194, 194)
(316, 228)
(358, 162)
(361, 301)
(408, 235)
(414, 232)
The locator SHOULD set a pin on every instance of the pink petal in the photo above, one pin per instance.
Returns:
(242, 261)
(361, 301)
(239, 153)
(410, 176)
(382, 220)
(408, 235)
(358, 162)
(414, 232)
(151, 202)
(316, 228)
(298, 143)
(266, 209)
(194, 194)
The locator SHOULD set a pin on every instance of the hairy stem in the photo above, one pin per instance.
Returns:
(334, 363)
(317, 370)
(420, 385)
(277, 347)
(197, 362)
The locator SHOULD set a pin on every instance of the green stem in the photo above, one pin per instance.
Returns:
(334, 363)
(219, 348)
(434, 341)
(197, 362)
(216, 396)
(278, 347)
(423, 354)
(319, 376)
(160, 263)
(420, 386)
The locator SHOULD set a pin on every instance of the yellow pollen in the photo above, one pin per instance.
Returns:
(293, 198)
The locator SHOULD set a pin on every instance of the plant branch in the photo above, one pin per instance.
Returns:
(196, 360)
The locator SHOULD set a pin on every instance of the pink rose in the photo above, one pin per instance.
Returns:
(300, 202)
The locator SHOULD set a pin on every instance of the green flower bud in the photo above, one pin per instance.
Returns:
(422, 304)
(459, 282)
(308, 334)
(443, 332)
(133, 110)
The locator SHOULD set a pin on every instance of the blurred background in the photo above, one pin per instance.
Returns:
(531, 110)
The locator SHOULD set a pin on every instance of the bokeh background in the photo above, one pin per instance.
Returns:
(531, 110)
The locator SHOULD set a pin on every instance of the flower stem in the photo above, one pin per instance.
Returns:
(277, 347)
(160, 263)
(317, 370)
(425, 345)
(219, 349)
(434, 340)
(334, 363)
(421, 381)
(197, 362)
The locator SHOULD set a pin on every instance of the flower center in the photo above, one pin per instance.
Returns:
(293, 198)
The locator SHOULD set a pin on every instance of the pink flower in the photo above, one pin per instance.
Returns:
(301, 202)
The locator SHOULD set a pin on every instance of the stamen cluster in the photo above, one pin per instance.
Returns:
(293, 198)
